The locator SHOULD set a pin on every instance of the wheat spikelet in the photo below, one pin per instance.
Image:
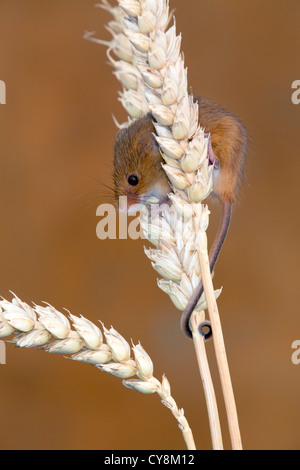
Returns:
(175, 256)
(45, 327)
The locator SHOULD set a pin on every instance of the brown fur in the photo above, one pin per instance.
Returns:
(229, 144)
(136, 151)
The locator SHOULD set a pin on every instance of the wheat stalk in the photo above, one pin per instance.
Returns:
(213, 414)
(219, 344)
(47, 328)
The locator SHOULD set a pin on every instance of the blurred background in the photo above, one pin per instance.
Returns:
(56, 140)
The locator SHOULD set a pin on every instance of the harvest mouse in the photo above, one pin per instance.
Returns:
(138, 173)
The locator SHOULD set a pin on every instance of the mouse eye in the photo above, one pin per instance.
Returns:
(133, 179)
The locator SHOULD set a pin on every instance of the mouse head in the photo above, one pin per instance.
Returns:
(138, 173)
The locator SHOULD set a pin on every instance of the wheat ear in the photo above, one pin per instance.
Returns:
(213, 414)
(151, 68)
(47, 328)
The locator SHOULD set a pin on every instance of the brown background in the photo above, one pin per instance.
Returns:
(56, 133)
